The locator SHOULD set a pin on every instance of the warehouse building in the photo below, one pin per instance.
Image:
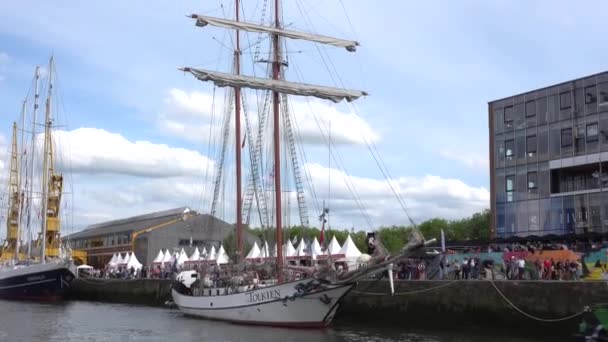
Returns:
(147, 234)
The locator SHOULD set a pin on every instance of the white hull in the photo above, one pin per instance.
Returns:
(279, 305)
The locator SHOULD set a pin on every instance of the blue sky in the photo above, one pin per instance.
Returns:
(430, 67)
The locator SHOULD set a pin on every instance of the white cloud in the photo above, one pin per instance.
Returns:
(190, 114)
(314, 118)
(92, 150)
(425, 197)
(472, 160)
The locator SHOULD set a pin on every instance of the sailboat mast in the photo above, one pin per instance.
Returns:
(276, 73)
(45, 161)
(21, 195)
(12, 220)
(237, 128)
(30, 177)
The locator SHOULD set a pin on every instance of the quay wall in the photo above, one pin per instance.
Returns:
(415, 303)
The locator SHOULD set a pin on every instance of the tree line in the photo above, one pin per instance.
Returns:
(473, 228)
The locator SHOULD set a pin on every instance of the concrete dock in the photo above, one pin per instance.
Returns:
(415, 303)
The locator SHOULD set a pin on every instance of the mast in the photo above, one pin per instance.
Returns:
(12, 220)
(21, 194)
(276, 73)
(237, 128)
(45, 162)
(30, 177)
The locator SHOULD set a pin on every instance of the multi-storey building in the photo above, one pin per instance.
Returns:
(549, 160)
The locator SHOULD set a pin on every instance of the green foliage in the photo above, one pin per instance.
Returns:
(476, 227)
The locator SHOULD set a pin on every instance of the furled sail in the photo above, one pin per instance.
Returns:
(222, 79)
(202, 20)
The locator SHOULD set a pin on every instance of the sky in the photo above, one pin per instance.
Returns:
(136, 135)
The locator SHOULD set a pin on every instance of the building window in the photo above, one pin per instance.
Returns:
(566, 137)
(592, 132)
(509, 117)
(590, 95)
(530, 109)
(603, 93)
(532, 181)
(510, 183)
(531, 145)
(565, 100)
(509, 149)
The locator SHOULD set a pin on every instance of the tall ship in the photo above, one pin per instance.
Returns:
(288, 295)
(39, 269)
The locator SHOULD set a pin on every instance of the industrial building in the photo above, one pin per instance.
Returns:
(549, 160)
(147, 234)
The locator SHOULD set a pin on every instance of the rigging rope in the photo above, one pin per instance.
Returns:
(405, 293)
(546, 320)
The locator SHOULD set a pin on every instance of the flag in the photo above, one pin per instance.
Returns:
(442, 241)
(322, 235)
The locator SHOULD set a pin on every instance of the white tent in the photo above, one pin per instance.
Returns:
(167, 256)
(301, 249)
(334, 247)
(265, 252)
(159, 257)
(182, 257)
(196, 255)
(254, 252)
(112, 263)
(120, 260)
(127, 258)
(212, 255)
(349, 249)
(288, 249)
(222, 257)
(294, 240)
(133, 262)
(315, 247)
(203, 253)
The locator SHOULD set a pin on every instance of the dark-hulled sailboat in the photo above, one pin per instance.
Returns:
(46, 275)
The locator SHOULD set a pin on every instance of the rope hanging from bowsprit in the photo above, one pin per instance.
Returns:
(546, 320)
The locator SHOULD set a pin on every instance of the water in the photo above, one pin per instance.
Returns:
(91, 321)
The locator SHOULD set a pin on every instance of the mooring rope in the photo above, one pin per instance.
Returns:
(548, 320)
(405, 293)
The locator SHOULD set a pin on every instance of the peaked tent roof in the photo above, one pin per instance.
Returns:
(315, 247)
(349, 249)
(196, 255)
(301, 249)
(159, 257)
(203, 253)
(265, 252)
(112, 261)
(288, 249)
(212, 254)
(167, 256)
(334, 247)
(222, 257)
(254, 252)
(182, 258)
(120, 260)
(133, 262)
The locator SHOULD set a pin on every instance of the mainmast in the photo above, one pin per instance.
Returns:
(276, 73)
(237, 127)
(52, 184)
(278, 86)
(30, 176)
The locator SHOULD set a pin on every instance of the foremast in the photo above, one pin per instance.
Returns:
(10, 249)
(52, 184)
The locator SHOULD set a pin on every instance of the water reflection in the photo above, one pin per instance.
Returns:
(89, 321)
